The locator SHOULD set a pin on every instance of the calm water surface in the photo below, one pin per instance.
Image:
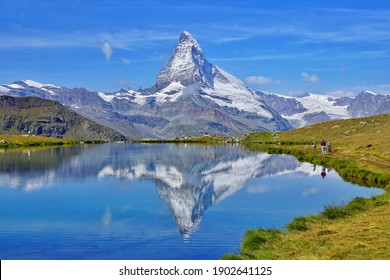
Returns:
(134, 201)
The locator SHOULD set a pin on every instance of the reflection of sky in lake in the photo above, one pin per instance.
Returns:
(152, 201)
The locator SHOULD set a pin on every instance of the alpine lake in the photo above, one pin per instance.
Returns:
(153, 201)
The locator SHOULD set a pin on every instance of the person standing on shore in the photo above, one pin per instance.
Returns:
(329, 146)
(314, 146)
(323, 147)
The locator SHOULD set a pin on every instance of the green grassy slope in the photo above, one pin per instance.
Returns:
(363, 143)
(359, 230)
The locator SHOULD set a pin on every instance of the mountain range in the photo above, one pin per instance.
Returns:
(313, 108)
(193, 97)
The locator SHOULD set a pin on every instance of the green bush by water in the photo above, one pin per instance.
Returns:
(333, 211)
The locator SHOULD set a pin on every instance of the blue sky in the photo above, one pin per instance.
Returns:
(288, 47)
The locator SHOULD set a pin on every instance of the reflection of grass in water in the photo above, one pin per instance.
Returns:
(36, 158)
(357, 230)
(205, 140)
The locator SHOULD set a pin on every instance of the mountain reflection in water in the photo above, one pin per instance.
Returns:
(189, 179)
(160, 201)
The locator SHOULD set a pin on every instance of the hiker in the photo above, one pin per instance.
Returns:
(323, 147)
(330, 146)
(314, 146)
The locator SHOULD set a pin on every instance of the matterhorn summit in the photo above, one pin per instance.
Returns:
(187, 65)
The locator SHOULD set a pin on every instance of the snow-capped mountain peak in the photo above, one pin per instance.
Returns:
(189, 68)
(187, 39)
(187, 65)
(32, 83)
(24, 85)
(367, 92)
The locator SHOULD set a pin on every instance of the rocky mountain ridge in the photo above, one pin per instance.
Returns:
(36, 116)
(313, 108)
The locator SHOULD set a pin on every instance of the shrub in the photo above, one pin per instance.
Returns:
(254, 238)
(333, 211)
(357, 205)
(298, 224)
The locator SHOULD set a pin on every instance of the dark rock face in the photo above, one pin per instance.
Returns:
(316, 118)
(342, 101)
(285, 106)
(32, 115)
(369, 104)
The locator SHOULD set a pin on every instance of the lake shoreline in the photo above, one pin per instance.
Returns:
(20, 141)
(25, 141)
(357, 230)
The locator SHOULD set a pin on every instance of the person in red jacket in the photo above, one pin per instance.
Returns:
(323, 146)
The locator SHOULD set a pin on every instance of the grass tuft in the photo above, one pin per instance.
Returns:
(358, 204)
(298, 224)
(255, 238)
(333, 211)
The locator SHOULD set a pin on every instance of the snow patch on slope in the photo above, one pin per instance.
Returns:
(168, 94)
(106, 97)
(31, 83)
(3, 89)
(233, 93)
(16, 86)
(317, 104)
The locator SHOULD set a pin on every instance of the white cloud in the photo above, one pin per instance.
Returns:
(125, 60)
(310, 77)
(260, 80)
(310, 191)
(107, 50)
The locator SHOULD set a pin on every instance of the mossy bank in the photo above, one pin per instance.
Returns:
(20, 141)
